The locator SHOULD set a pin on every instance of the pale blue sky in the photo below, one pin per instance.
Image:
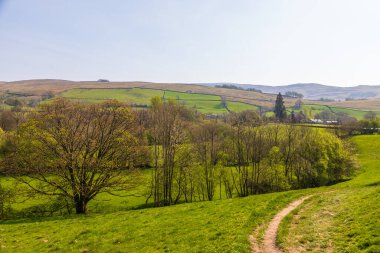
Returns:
(247, 41)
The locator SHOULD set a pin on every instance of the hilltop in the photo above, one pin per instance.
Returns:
(315, 91)
(264, 99)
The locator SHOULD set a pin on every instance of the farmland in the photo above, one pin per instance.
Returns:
(311, 110)
(204, 103)
(141, 92)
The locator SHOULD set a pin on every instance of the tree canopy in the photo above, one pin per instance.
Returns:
(74, 150)
(279, 108)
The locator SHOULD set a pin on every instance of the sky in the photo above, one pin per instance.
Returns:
(270, 42)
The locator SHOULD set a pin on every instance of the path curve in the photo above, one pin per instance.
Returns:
(269, 243)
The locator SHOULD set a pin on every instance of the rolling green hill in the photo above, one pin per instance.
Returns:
(204, 103)
(35, 89)
(344, 217)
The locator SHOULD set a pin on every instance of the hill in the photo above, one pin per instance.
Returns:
(247, 99)
(339, 218)
(315, 91)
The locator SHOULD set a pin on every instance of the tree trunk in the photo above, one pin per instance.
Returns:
(80, 205)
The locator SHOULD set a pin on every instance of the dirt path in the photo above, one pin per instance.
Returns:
(269, 243)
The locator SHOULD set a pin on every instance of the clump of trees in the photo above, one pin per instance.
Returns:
(73, 152)
(238, 156)
(235, 87)
(293, 94)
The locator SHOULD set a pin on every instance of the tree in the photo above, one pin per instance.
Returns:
(13, 101)
(207, 140)
(74, 150)
(241, 122)
(370, 115)
(8, 120)
(223, 102)
(298, 104)
(167, 134)
(279, 108)
(293, 94)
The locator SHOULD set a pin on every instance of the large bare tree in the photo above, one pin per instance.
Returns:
(74, 150)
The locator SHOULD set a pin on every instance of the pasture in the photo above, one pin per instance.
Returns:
(205, 103)
(340, 217)
(311, 110)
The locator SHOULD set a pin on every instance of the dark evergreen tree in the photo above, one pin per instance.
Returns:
(279, 108)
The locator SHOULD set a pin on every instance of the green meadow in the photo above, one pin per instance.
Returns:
(311, 110)
(201, 102)
(340, 218)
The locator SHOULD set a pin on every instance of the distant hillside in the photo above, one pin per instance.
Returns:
(264, 100)
(316, 91)
(40, 87)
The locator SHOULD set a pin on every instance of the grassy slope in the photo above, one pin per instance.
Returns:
(344, 219)
(356, 113)
(218, 226)
(39, 87)
(312, 109)
(202, 102)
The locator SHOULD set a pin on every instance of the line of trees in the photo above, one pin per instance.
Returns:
(75, 151)
(238, 156)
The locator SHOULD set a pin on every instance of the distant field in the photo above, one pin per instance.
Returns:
(39, 87)
(204, 103)
(356, 113)
(311, 110)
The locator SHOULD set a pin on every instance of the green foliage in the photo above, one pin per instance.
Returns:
(345, 217)
(279, 108)
(12, 101)
(7, 197)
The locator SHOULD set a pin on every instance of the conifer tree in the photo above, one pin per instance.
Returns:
(279, 108)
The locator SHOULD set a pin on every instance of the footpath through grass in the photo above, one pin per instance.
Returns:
(218, 226)
(346, 217)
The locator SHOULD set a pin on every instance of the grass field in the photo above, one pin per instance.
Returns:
(346, 218)
(310, 110)
(218, 226)
(202, 102)
(358, 114)
(343, 218)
